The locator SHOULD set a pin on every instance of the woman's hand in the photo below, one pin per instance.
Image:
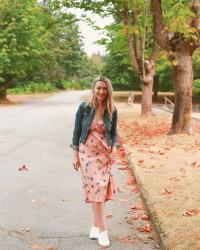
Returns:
(76, 161)
(113, 153)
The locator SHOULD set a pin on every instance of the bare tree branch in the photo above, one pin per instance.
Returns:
(133, 58)
(154, 50)
(117, 11)
(136, 37)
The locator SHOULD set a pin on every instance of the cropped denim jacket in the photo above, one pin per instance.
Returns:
(84, 117)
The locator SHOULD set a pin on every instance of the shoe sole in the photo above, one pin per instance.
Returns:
(103, 245)
(93, 238)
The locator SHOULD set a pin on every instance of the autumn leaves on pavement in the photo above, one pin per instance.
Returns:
(168, 167)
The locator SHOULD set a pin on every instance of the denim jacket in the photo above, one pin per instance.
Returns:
(84, 117)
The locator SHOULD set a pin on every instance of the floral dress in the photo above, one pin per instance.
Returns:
(95, 159)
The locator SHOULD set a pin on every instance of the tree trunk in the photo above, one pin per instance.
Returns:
(3, 94)
(147, 98)
(183, 77)
(147, 86)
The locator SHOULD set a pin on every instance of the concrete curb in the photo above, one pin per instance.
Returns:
(154, 218)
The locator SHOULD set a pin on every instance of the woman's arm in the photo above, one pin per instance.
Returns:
(77, 127)
(113, 131)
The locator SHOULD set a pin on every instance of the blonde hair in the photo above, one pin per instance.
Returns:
(109, 102)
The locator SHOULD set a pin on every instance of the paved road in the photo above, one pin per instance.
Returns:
(44, 206)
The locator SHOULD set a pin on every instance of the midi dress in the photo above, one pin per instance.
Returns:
(95, 163)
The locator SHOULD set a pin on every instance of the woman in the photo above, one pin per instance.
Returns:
(94, 144)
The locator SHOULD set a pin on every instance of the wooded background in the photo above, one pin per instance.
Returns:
(151, 45)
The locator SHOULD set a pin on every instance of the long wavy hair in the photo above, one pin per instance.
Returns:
(108, 102)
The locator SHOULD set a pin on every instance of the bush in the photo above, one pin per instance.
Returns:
(33, 87)
(196, 87)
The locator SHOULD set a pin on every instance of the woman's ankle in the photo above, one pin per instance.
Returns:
(102, 229)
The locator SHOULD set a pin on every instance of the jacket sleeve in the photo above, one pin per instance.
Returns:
(113, 131)
(77, 127)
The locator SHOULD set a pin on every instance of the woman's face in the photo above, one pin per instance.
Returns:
(101, 91)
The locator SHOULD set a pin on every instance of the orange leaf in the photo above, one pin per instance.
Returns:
(190, 212)
(140, 162)
(123, 162)
(123, 168)
(167, 192)
(175, 178)
(134, 217)
(23, 168)
(130, 181)
(135, 190)
(144, 217)
(146, 228)
(126, 239)
(136, 206)
(37, 246)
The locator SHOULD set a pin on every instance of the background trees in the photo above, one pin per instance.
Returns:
(134, 18)
(40, 43)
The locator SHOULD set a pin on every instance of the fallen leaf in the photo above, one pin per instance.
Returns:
(175, 178)
(65, 199)
(36, 246)
(194, 164)
(140, 162)
(190, 212)
(130, 181)
(110, 215)
(146, 228)
(136, 206)
(167, 192)
(126, 239)
(135, 190)
(133, 217)
(144, 217)
(23, 168)
(123, 168)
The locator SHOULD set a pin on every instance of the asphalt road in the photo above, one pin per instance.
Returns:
(43, 207)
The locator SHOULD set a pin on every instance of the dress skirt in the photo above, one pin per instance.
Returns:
(95, 160)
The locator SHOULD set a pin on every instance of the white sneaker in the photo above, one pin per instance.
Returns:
(94, 233)
(103, 239)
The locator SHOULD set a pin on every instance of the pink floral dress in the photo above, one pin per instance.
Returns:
(95, 159)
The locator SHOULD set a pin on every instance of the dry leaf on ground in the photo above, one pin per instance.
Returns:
(23, 168)
(167, 191)
(126, 239)
(147, 228)
(144, 217)
(190, 212)
(137, 206)
(109, 215)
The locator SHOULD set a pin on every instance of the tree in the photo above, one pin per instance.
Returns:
(117, 65)
(38, 41)
(177, 31)
(136, 19)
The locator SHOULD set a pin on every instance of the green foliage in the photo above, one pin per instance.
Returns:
(33, 87)
(40, 44)
(196, 87)
(177, 18)
(117, 64)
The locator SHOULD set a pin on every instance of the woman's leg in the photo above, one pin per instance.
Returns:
(94, 217)
(98, 215)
